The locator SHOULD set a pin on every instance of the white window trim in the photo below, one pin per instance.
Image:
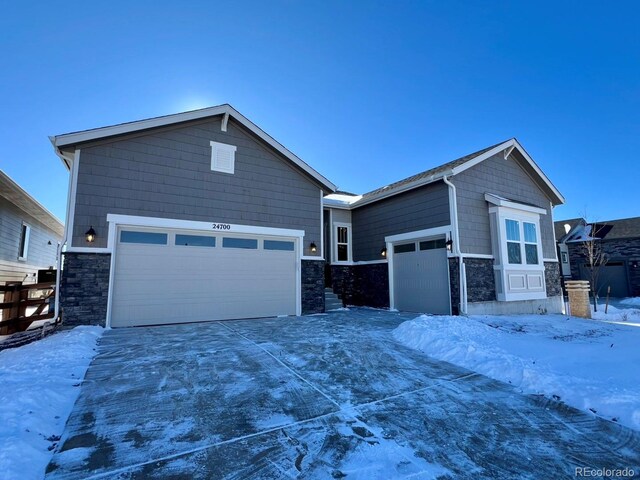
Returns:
(335, 227)
(24, 253)
(217, 147)
(522, 242)
(502, 265)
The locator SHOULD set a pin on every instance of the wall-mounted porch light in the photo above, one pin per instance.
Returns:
(313, 247)
(383, 252)
(90, 235)
(449, 245)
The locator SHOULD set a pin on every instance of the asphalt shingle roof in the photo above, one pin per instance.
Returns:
(431, 172)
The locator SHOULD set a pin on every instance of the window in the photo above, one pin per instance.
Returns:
(248, 243)
(513, 241)
(23, 249)
(152, 238)
(433, 244)
(223, 157)
(404, 248)
(278, 245)
(516, 247)
(342, 243)
(530, 243)
(195, 240)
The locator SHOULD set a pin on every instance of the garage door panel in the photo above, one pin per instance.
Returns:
(421, 281)
(156, 284)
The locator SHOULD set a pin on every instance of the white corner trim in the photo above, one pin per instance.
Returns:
(392, 300)
(503, 202)
(429, 232)
(133, 220)
(73, 188)
(321, 226)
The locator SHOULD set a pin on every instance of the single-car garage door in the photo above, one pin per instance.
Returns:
(169, 276)
(421, 276)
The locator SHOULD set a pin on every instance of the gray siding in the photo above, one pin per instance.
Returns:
(167, 173)
(424, 207)
(340, 216)
(40, 254)
(507, 179)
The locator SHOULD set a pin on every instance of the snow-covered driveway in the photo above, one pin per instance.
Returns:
(327, 396)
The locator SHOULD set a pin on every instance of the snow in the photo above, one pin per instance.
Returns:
(40, 383)
(633, 301)
(588, 364)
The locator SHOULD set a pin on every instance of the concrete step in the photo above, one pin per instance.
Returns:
(331, 300)
(332, 306)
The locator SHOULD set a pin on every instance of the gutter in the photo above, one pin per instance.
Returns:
(456, 244)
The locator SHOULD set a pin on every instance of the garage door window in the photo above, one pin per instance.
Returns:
(278, 245)
(404, 248)
(195, 240)
(152, 238)
(432, 244)
(248, 243)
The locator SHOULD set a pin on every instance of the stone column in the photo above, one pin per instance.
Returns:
(578, 291)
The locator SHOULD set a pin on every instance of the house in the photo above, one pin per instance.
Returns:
(29, 234)
(203, 216)
(619, 241)
(472, 236)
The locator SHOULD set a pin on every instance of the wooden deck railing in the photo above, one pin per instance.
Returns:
(16, 301)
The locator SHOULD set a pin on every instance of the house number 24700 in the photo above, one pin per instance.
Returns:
(220, 226)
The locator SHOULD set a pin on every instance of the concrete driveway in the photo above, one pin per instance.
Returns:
(326, 396)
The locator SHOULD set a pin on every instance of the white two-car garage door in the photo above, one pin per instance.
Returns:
(421, 276)
(169, 276)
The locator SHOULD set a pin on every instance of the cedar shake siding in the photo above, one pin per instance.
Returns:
(508, 179)
(166, 172)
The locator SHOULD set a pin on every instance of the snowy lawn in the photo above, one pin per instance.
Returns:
(40, 383)
(589, 364)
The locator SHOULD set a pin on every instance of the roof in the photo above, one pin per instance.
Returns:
(445, 167)
(70, 140)
(607, 230)
(15, 194)
(456, 166)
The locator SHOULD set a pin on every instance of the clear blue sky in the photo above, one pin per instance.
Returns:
(365, 92)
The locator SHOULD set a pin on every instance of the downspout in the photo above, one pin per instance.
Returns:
(456, 244)
(65, 237)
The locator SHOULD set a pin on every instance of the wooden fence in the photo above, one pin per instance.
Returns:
(17, 298)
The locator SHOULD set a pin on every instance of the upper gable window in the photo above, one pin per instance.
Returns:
(223, 157)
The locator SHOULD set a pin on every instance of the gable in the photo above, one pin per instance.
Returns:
(64, 145)
(506, 178)
(167, 173)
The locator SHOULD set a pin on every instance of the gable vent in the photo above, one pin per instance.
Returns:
(223, 157)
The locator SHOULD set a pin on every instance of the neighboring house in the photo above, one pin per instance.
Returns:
(620, 243)
(203, 216)
(29, 234)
